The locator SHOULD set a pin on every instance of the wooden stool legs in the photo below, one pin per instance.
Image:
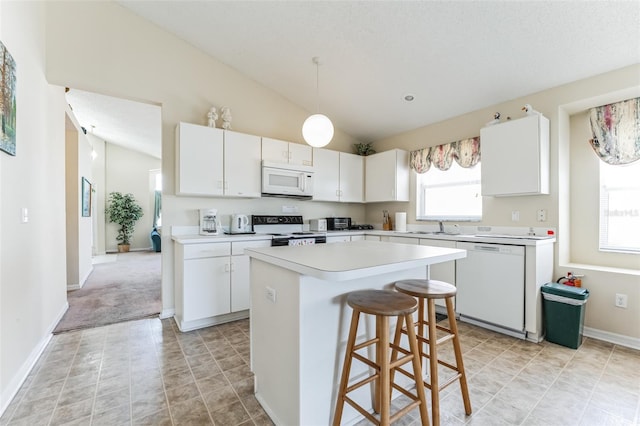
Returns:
(383, 368)
(427, 291)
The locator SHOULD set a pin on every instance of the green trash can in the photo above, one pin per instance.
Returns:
(564, 308)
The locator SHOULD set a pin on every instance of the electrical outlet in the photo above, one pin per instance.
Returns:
(515, 216)
(271, 294)
(621, 300)
(542, 215)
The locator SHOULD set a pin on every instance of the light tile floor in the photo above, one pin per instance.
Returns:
(147, 372)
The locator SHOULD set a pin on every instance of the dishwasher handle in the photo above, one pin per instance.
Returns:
(487, 248)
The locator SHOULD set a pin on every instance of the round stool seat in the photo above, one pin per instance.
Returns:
(382, 302)
(428, 289)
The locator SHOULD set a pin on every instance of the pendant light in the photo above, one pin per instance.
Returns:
(317, 130)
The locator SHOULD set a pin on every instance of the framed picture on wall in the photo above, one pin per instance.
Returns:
(86, 198)
(7, 101)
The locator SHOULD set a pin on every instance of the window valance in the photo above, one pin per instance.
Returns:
(465, 152)
(616, 131)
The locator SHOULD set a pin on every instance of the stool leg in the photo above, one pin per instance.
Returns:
(346, 367)
(420, 331)
(383, 361)
(453, 325)
(433, 362)
(417, 370)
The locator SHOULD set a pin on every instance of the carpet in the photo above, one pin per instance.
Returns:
(116, 291)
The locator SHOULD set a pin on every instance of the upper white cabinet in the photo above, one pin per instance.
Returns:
(515, 157)
(387, 176)
(215, 162)
(242, 173)
(199, 160)
(338, 176)
(278, 151)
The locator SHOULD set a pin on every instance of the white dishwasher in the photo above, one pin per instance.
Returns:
(490, 283)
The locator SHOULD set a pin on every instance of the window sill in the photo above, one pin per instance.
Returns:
(582, 266)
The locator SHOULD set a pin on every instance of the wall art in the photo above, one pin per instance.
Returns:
(86, 198)
(7, 101)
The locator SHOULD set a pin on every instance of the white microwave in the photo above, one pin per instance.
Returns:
(284, 180)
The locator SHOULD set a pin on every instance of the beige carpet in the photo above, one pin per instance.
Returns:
(121, 290)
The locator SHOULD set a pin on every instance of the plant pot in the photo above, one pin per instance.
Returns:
(123, 248)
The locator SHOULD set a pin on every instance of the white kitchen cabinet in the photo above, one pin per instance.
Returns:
(212, 283)
(445, 271)
(402, 240)
(199, 160)
(277, 151)
(338, 238)
(242, 162)
(387, 176)
(338, 176)
(240, 279)
(515, 157)
(357, 237)
(372, 237)
(214, 162)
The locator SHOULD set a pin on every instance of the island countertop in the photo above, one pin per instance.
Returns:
(353, 260)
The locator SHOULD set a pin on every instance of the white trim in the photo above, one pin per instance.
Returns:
(618, 339)
(167, 313)
(23, 372)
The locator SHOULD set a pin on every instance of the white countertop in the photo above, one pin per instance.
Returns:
(222, 238)
(353, 260)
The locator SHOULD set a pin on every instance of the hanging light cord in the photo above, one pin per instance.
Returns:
(316, 60)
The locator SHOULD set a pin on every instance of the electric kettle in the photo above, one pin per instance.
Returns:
(239, 224)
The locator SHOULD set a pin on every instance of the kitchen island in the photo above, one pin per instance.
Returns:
(300, 319)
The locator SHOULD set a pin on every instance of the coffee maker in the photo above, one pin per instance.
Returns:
(209, 224)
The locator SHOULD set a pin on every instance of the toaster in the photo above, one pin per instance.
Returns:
(318, 224)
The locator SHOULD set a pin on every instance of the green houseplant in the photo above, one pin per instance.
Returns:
(364, 148)
(125, 211)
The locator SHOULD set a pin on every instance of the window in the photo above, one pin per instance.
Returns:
(620, 207)
(453, 194)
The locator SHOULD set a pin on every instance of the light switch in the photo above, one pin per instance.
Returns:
(25, 215)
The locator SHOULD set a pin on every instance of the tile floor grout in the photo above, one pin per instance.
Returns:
(203, 377)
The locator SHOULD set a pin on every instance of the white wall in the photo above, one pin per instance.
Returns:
(136, 60)
(32, 255)
(127, 171)
(558, 104)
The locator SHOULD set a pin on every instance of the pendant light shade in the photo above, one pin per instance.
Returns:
(317, 129)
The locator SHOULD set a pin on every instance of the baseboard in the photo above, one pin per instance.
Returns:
(23, 372)
(167, 313)
(71, 287)
(618, 339)
(78, 286)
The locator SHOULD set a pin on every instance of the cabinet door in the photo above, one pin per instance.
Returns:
(300, 154)
(242, 169)
(199, 154)
(445, 271)
(240, 288)
(372, 237)
(326, 177)
(275, 151)
(515, 157)
(357, 237)
(207, 289)
(403, 240)
(387, 176)
(351, 178)
(338, 239)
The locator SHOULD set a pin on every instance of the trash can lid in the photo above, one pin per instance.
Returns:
(578, 293)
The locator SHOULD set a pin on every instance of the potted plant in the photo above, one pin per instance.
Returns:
(364, 148)
(125, 211)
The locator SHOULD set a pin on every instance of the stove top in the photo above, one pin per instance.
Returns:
(361, 227)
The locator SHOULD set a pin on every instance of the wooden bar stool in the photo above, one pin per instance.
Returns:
(430, 290)
(383, 304)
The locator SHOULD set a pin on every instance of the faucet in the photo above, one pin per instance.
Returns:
(441, 227)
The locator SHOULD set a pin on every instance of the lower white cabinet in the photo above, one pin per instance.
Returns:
(402, 240)
(212, 283)
(343, 238)
(445, 271)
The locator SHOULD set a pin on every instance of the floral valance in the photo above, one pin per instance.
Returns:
(616, 131)
(465, 152)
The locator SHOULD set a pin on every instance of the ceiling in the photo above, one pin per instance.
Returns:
(131, 124)
(453, 56)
